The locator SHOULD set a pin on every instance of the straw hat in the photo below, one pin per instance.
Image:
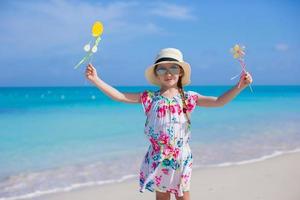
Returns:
(169, 55)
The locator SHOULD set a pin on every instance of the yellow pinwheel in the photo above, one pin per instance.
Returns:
(238, 52)
(97, 31)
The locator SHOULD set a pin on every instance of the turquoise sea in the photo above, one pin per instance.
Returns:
(59, 138)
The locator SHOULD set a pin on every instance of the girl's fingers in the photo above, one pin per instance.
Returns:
(90, 66)
(248, 80)
(89, 73)
(89, 70)
(247, 76)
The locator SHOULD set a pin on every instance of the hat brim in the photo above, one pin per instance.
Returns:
(150, 76)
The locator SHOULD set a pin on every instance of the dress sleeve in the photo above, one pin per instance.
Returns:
(192, 99)
(146, 100)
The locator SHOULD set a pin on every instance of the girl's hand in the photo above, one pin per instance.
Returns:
(91, 73)
(245, 80)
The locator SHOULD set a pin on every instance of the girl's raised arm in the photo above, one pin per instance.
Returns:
(210, 101)
(113, 93)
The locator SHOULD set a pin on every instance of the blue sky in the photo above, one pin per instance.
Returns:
(41, 41)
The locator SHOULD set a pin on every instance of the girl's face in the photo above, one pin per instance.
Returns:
(168, 74)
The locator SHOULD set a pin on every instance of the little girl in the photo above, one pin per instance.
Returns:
(167, 165)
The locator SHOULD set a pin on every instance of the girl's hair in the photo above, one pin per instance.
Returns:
(181, 91)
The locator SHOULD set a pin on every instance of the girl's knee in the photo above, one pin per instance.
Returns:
(162, 195)
(186, 196)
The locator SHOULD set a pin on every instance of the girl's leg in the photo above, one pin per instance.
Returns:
(162, 195)
(186, 196)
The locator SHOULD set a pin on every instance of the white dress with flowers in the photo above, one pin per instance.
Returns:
(167, 165)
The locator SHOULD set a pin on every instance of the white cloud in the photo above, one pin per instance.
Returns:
(172, 11)
(281, 47)
(37, 27)
(59, 28)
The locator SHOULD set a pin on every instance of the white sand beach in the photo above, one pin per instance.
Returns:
(276, 178)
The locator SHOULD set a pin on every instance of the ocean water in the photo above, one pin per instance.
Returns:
(60, 138)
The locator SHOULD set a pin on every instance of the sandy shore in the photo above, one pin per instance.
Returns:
(276, 178)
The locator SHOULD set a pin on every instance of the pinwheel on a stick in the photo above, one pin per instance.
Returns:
(97, 30)
(239, 53)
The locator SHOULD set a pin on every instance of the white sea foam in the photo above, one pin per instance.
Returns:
(131, 176)
(265, 157)
(68, 188)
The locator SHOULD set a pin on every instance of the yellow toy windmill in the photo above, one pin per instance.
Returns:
(97, 31)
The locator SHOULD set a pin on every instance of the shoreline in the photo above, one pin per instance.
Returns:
(211, 181)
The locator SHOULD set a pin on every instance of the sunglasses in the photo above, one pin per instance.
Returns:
(174, 70)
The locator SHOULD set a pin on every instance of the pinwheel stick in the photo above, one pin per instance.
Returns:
(84, 59)
(243, 64)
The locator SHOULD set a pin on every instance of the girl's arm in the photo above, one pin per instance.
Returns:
(210, 101)
(91, 75)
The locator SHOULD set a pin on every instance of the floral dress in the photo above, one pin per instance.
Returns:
(167, 165)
